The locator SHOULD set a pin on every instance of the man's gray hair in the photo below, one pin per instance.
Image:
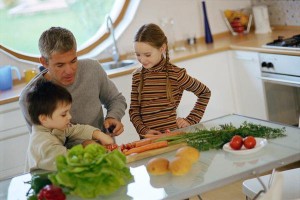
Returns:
(56, 40)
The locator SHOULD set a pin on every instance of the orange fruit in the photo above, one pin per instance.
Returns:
(244, 20)
(228, 13)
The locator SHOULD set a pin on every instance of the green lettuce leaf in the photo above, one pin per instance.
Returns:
(91, 171)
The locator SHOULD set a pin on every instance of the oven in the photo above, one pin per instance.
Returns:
(281, 77)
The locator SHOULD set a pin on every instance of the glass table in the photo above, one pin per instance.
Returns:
(215, 168)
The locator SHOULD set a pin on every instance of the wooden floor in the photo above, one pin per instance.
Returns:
(234, 190)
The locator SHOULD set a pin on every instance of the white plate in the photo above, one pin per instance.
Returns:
(260, 143)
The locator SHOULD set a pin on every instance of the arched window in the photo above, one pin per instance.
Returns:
(23, 21)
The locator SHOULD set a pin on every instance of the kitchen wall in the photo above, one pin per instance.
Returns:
(188, 21)
(186, 14)
(282, 12)
(188, 17)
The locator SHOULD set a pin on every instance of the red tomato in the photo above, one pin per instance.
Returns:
(51, 192)
(236, 142)
(249, 142)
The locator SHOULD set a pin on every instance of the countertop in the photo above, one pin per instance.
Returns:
(222, 42)
(215, 168)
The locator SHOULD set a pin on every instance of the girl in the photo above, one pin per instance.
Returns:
(157, 87)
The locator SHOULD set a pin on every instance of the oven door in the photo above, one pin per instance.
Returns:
(282, 98)
(293, 81)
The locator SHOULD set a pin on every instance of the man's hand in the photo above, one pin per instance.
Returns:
(115, 126)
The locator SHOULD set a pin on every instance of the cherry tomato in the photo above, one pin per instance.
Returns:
(236, 142)
(111, 147)
(114, 146)
(249, 142)
(129, 146)
(167, 131)
(123, 147)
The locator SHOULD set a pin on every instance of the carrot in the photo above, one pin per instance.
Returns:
(142, 142)
(147, 147)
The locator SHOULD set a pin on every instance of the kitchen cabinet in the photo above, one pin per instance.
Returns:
(212, 70)
(248, 88)
(14, 139)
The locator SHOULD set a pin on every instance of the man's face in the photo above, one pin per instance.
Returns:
(62, 67)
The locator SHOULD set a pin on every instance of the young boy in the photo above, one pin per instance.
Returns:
(52, 134)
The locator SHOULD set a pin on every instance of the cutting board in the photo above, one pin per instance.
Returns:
(154, 152)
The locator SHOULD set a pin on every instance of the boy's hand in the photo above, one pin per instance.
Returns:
(87, 142)
(114, 126)
(102, 137)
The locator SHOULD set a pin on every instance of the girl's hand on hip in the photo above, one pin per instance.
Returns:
(181, 123)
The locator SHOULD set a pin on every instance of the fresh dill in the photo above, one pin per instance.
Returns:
(216, 137)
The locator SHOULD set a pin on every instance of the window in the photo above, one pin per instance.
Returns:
(23, 21)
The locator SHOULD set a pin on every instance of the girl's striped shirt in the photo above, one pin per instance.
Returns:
(155, 110)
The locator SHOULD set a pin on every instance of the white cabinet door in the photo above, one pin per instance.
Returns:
(14, 139)
(248, 88)
(123, 84)
(11, 116)
(212, 70)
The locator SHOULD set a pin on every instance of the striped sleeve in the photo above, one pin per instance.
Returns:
(202, 92)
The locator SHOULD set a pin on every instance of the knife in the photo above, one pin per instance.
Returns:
(110, 131)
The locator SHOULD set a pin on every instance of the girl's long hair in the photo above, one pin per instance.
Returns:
(153, 35)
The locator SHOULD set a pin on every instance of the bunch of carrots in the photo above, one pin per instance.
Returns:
(149, 143)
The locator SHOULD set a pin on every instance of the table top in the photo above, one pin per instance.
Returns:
(215, 168)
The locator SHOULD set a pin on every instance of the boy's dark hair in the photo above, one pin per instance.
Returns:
(44, 98)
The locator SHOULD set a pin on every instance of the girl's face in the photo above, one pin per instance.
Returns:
(60, 118)
(148, 55)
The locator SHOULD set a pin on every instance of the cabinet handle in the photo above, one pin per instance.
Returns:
(9, 110)
(280, 81)
(2, 138)
(244, 58)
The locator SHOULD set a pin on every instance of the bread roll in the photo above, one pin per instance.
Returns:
(180, 166)
(158, 166)
(188, 152)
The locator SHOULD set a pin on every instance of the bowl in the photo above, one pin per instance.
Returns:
(238, 21)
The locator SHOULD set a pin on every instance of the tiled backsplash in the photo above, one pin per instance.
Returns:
(282, 12)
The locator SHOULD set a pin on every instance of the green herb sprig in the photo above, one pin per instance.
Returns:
(216, 137)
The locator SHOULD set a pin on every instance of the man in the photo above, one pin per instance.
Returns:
(85, 79)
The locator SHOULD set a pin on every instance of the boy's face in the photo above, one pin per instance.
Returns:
(60, 118)
(147, 55)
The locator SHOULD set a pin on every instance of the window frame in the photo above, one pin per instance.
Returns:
(102, 37)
